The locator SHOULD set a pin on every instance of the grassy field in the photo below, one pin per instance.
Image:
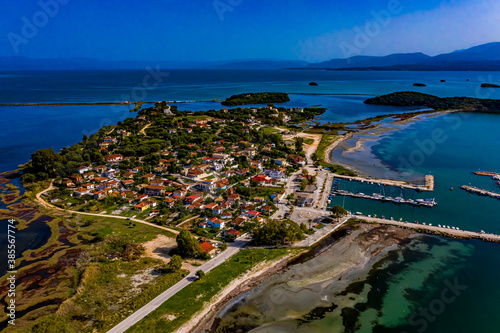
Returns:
(319, 155)
(326, 141)
(68, 284)
(108, 226)
(308, 141)
(101, 292)
(191, 299)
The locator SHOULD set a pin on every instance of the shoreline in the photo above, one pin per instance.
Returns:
(360, 145)
(368, 243)
(206, 318)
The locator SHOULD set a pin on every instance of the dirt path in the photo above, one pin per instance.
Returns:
(143, 130)
(309, 149)
(47, 205)
(190, 219)
(160, 247)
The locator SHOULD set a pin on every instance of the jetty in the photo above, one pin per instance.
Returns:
(428, 186)
(379, 197)
(439, 230)
(478, 191)
(494, 175)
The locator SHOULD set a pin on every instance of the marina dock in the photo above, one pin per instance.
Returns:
(335, 190)
(494, 175)
(446, 231)
(479, 191)
(379, 197)
(428, 186)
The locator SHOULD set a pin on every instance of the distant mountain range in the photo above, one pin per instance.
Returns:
(370, 61)
(484, 57)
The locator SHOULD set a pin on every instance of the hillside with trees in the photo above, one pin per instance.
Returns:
(256, 98)
(411, 98)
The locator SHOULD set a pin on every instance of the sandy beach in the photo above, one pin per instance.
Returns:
(309, 284)
(204, 319)
(373, 133)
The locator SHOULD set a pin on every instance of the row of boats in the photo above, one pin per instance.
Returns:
(431, 202)
(335, 190)
(478, 191)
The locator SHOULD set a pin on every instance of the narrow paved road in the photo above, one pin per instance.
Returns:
(47, 205)
(133, 319)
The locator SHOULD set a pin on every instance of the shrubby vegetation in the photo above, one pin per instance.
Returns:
(256, 98)
(187, 246)
(410, 98)
(277, 233)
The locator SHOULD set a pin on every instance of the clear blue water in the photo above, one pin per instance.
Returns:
(26, 129)
(406, 291)
(107, 86)
(469, 143)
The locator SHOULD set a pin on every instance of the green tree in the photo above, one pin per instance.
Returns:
(274, 232)
(175, 263)
(52, 324)
(299, 144)
(43, 159)
(200, 273)
(28, 178)
(338, 212)
(187, 246)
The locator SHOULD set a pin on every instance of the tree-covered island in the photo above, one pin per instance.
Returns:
(256, 98)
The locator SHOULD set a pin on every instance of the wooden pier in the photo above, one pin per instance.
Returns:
(479, 191)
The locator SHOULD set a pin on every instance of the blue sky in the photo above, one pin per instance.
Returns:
(199, 30)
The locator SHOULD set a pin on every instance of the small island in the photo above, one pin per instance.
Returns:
(313, 83)
(256, 98)
(489, 85)
(411, 98)
(419, 85)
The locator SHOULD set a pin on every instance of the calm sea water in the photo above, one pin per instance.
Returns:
(469, 143)
(26, 129)
(468, 147)
(429, 285)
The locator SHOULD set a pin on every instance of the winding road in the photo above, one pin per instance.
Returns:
(47, 205)
(134, 318)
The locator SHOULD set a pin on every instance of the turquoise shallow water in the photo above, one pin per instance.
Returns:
(428, 285)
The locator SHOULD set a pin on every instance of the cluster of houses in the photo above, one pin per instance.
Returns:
(201, 187)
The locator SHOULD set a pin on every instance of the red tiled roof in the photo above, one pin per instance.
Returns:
(207, 247)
